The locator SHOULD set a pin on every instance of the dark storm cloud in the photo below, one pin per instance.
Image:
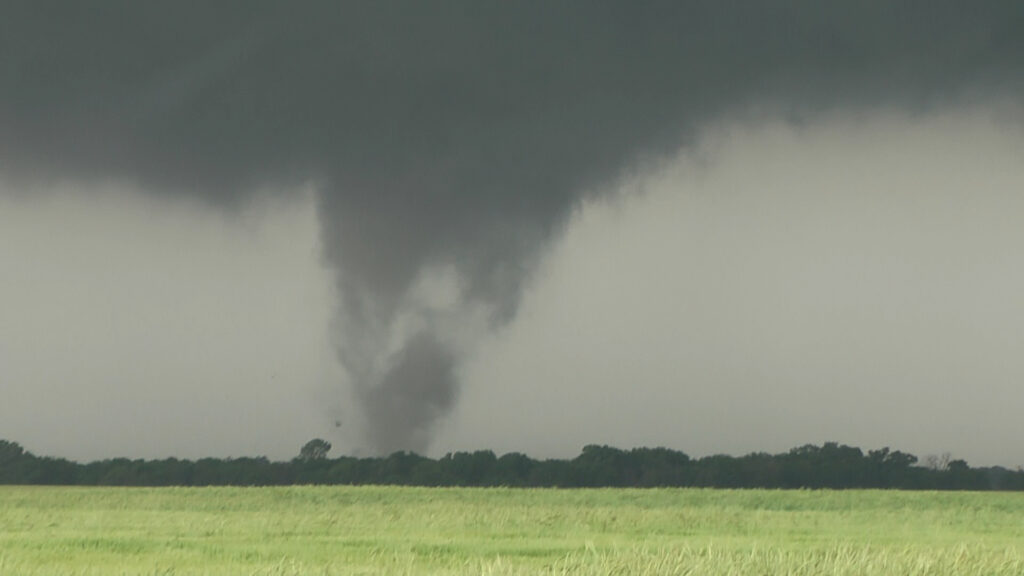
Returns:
(454, 134)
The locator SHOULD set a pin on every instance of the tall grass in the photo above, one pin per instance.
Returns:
(377, 530)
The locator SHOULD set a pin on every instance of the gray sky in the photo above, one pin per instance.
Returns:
(855, 280)
(510, 226)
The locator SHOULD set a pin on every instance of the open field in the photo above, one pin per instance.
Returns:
(382, 530)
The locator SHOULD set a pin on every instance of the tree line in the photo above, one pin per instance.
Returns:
(830, 465)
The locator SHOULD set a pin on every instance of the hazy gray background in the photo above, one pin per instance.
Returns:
(231, 226)
(138, 326)
(857, 279)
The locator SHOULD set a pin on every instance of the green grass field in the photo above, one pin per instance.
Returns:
(378, 530)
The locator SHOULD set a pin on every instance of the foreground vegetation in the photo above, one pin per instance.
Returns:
(828, 466)
(396, 530)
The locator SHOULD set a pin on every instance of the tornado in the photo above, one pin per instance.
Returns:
(448, 143)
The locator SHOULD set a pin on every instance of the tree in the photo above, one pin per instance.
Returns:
(14, 462)
(315, 449)
(938, 463)
(10, 451)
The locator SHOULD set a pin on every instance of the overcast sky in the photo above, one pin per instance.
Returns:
(225, 231)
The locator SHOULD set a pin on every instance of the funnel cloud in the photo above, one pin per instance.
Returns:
(449, 144)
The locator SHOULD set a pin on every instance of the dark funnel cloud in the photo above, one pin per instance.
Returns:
(447, 140)
(417, 388)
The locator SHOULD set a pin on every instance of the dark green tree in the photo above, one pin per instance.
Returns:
(315, 449)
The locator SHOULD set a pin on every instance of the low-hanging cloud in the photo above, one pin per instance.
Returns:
(453, 139)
